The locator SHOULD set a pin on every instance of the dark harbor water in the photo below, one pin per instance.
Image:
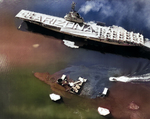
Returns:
(22, 53)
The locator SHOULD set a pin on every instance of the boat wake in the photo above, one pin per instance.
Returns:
(142, 78)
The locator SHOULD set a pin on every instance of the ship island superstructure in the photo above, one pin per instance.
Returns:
(77, 27)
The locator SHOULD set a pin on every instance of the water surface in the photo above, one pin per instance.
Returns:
(24, 96)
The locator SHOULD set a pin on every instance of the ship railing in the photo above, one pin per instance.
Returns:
(121, 36)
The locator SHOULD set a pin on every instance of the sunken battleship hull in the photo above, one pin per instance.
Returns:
(112, 35)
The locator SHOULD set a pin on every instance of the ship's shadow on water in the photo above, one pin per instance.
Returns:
(127, 51)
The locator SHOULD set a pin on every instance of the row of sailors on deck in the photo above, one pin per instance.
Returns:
(121, 35)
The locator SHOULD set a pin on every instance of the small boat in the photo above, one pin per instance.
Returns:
(140, 78)
(104, 93)
(70, 44)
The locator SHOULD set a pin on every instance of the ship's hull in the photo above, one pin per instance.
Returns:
(85, 31)
(83, 36)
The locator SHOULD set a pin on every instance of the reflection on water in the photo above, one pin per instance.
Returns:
(125, 94)
(3, 63)
(23, 53)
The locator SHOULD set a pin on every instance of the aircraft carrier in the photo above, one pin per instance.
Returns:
(74, 25)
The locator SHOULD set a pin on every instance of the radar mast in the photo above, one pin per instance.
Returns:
(73, 6)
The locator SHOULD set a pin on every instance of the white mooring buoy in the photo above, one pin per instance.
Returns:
(103, 111)
(54, 97)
